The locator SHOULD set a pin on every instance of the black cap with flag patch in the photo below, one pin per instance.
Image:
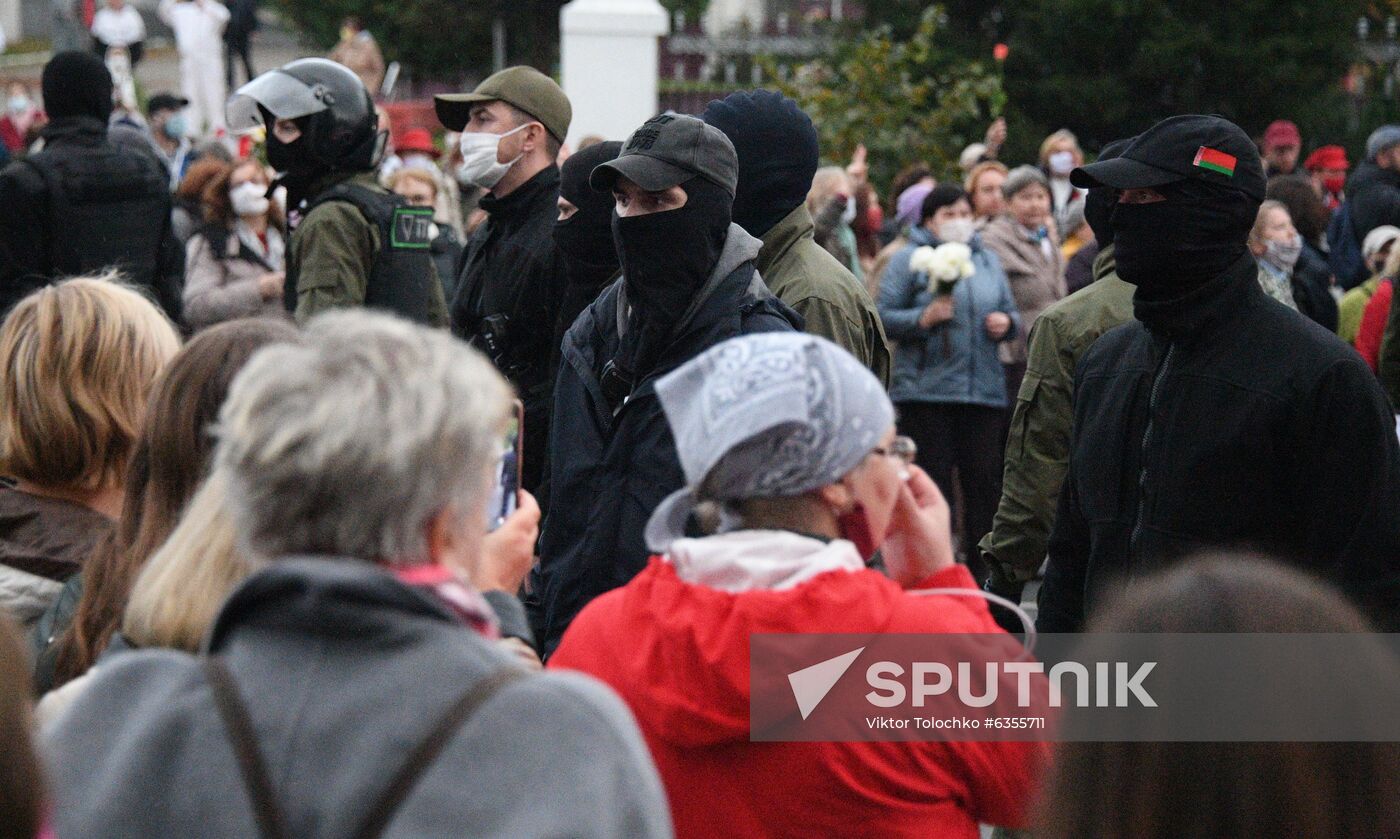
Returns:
(1205, 148)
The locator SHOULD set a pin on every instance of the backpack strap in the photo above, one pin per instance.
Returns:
(427, 751)
(271, 824)
(239, 728)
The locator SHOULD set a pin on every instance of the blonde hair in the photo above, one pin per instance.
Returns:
(77, 362)
(1256, 233)
(413, 173)
(1056, 138)
(177, 595)
(975, 174)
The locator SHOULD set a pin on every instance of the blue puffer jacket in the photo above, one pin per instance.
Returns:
(955, 361)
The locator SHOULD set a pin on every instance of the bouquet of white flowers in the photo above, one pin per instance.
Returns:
(945, 265)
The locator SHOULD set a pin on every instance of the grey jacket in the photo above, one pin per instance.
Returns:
(343, 670)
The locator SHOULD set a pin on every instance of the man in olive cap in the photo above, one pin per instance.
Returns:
(688, 282)
(1219, 418)
(511, 281)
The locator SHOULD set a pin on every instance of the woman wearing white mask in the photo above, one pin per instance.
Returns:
(948, 380)
(234, 267)
(1276, 246)
(1059, 154)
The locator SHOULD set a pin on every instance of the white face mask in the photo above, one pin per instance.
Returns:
(479, 158)
(956, 230)
(848, 215)
(249, 199)
(1062, 162)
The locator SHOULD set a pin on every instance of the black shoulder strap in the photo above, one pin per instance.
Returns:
(271, 825)
(239, 728)
(431, 746)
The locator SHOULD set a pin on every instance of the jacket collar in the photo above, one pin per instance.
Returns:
(793, 228)
(319, 595)
(87, 130)
(1105, 264)
(544, 186)
(1200, 311)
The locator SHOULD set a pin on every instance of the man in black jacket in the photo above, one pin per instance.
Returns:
(1218, 418)
(688, 282)
(85, 204)
(1373, 191)
(511, 281)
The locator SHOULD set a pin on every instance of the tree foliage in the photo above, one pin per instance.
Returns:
(904, 100)
(446, 40)
(1110, 68)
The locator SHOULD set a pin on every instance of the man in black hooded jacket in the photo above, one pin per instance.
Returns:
(583, 233)
(1219, 418)
(85, 204)
(688, 283)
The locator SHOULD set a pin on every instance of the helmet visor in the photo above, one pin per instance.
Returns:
(283, 95)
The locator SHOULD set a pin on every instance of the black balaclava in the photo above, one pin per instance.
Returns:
(777, 148)
(585, 239)
(666, 259)
(1098, 203)
(77, 84)
(1172, 248)
(295, 166)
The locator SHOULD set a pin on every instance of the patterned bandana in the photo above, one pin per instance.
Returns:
(773, 415)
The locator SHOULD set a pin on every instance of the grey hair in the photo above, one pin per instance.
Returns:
(350, 444)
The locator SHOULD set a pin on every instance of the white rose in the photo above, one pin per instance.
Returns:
(921, 260)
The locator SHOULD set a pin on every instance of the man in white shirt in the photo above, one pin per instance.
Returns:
(119, 25)
(199, 30)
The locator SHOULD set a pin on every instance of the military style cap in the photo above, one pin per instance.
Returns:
(524, 87)
(668, 150)
(1204, 148)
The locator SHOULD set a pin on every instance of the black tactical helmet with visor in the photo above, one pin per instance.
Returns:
(328, 103)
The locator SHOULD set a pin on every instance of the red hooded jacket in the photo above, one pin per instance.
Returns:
(678, 653)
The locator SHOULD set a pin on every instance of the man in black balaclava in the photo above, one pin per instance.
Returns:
(688, 283)
(84, 203)
(1037, 449)
(1219, 419)
(777, 149)
(583, 232)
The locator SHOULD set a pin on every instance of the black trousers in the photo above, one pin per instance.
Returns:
(967, 438)
(244, 51)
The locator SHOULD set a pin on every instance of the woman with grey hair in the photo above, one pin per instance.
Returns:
(352, 681)
(788, 443)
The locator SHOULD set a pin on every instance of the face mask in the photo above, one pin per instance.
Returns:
(174, 127)
(1283, 255)
(848, 214)
(667, 257)
(956, 230)
(1062, 162)
(1334, 184)
(249, 199)
(18, 104)
(855, 528)
(479, 158)
(1173, 247)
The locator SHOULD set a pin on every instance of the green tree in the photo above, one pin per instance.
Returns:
(905, 100)
(1111, 68)
(445, 40)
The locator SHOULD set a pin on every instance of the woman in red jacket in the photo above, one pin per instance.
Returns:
(788, 443)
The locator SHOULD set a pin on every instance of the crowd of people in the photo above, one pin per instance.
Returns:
(254, 398)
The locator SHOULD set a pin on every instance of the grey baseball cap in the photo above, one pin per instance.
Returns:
(668, 150)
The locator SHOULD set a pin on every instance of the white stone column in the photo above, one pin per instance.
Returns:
(608, 56)
(10, 19)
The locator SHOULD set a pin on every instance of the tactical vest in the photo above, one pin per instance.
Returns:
(401, 278)
(109, 208)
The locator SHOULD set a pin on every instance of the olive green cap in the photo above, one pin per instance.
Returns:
(524, 87)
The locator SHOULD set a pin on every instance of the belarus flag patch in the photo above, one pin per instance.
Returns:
(1216, 161)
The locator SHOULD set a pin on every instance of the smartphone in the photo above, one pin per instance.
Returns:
(505, 493)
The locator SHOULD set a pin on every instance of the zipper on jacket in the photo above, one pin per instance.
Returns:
(1147, 439)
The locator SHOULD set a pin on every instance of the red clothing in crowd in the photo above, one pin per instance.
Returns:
(1368, 338)
(678, 653)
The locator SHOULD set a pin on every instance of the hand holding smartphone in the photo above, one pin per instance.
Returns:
(505, 493)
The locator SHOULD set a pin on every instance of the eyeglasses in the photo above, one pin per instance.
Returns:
(900, 448)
